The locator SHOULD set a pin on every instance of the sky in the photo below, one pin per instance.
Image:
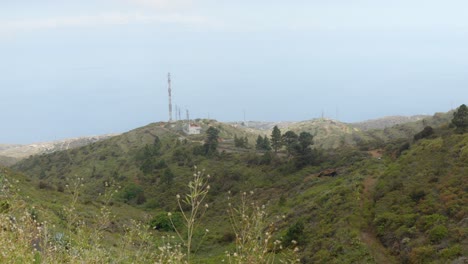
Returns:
(90, 67)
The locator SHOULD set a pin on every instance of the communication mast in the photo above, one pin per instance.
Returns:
(170, 96)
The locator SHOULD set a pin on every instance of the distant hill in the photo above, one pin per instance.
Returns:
(408, 207)
(262, 125)
(7, 161)
(16, 151)
(389, 121)
(332, 134)
(328, 133)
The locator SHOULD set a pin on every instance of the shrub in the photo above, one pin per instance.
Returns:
(438, 233)
(417, 195)
(295, 234)
(162, 222)
(422, 254)
(44, 185)
(451, 252)
(426, 132)
(131, 192)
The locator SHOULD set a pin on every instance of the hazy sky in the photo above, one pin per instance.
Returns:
(87, 67)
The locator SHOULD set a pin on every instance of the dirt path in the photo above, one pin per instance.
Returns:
(368, 236)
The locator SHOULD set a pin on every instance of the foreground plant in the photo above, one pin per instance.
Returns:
(254, 234)
(198, 189)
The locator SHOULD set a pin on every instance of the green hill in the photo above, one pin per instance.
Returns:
(408, 207)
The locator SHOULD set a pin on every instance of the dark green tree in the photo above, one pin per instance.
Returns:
(241, 142)
(426, 132)
(157, 143)
(168, 176)
(259, 143)
(305, 140)
(460, 119)
(263, 143)
(211, 141)
(266, 143)
(276, 139)
(290, 140)
(295, 233)
(304, 155)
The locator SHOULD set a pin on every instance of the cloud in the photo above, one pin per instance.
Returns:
(163, 4)
(104, 19)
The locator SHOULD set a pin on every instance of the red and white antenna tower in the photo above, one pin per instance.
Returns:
(170, 96)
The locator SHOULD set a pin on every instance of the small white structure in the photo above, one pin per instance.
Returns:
(192, 129)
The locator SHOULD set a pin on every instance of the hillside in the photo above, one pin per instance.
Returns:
(345, 206)
(7, 161)
(16, 151)
(389, 121)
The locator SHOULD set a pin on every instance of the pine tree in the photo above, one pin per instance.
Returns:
(259, 144)
(460, 119)
(276, 139)
(290, 140)
(266, 143)
(211, 140)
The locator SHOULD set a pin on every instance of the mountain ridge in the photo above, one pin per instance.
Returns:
(19, 151)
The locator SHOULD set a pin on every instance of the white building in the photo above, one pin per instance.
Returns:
(192, 129)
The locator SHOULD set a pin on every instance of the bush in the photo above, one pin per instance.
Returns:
(451, 252)
(162, 222)
(295, 233)
(426, 132)
(422, 254)
(438, 233)
(131, 192)
(417, 195)
(44, 185)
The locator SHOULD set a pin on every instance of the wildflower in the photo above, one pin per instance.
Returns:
(206, 205)
(178, 196)
(169, 214)
(207, 230)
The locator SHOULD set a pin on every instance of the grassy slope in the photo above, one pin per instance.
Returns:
(342, 224)
(421, 201)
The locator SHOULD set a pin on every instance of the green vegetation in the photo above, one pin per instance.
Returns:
(460, 119)
(263, 143)
(276, 142)
(397, 196)
(211, 141)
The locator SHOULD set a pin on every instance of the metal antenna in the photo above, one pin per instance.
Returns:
(170, 96)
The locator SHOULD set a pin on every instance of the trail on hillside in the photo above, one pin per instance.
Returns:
(368, 236)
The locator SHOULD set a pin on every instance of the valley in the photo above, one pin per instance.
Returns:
(331, 193)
